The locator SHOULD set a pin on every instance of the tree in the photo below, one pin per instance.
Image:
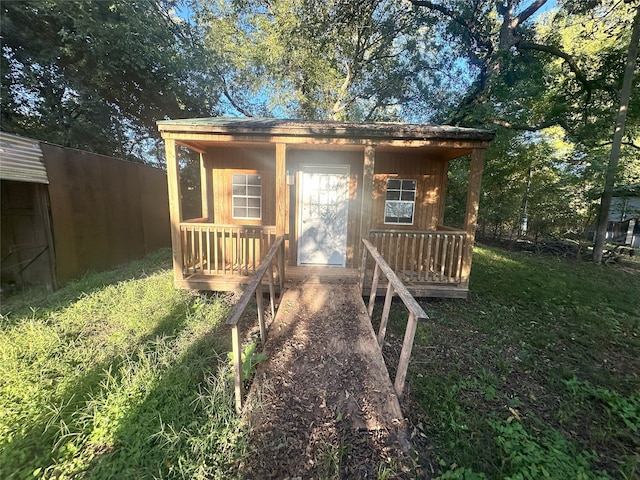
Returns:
(320, 60)
(612, 168)
(558, 69)
(97, 75)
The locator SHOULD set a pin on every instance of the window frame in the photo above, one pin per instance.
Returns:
(246, 196)
(400, 200)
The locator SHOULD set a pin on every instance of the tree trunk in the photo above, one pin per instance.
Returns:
(612, 168)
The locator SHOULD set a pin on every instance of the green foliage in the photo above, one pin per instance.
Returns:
(320, 60)
(250, 360)
(548, 456)
(117, 375)
(626, 408)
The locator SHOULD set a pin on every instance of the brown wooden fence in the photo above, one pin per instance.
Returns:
(104, 211)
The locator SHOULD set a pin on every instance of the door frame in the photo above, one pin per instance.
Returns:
(299, 208)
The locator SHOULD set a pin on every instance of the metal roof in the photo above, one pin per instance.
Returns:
(21, 159)
(311, 128)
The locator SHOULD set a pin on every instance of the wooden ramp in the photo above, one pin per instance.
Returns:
(322, 404)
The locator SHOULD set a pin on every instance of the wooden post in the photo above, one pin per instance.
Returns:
(471, 212)
(272, 293)
(206, 189)
(363, 268)
(175, 206)
(374, 289)
(368, 169)
(237, 367)
(281, 189)
(385, 314)
(44, 234)
(405, 355)
(260, 307)
(281, 274)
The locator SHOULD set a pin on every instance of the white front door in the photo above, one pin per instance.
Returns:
(324, 204)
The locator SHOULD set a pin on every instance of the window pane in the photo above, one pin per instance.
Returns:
(239, 190)
(410, 195)
(253, 212)
(393, 194)
(399, 209)
(253, 202)
(394, 184)
(238, 179)
(239, 212)
(254, 191)
(239, 202)
(254, 180)
(408, 184)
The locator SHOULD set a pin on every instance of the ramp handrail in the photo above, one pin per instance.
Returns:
(254, 287)
(394, 286)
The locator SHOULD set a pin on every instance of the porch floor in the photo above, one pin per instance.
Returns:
(324, 387)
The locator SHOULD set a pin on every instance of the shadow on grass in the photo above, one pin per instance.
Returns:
(185, 426)
(54, 433)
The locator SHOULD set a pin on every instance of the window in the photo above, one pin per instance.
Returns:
(400, 201)
(246, 196)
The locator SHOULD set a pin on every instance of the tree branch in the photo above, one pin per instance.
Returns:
(626, 144)
(527, 12)
(232, 101)
(444, 10)
(555, 51)
(528, 128)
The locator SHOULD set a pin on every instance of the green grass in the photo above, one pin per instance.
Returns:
(117, 375)
(537, 375)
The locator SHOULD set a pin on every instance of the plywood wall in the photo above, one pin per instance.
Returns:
(104, 211)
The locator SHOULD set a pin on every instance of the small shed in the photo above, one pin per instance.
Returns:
(323, 186)
(26, 246)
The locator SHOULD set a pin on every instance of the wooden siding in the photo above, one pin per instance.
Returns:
(222, 162)
(431, 176)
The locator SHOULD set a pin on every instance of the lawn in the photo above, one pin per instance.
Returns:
(119, 375)
(537, 375)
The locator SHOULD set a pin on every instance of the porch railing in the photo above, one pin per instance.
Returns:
(212, 249)
(422, 256)
(254, 288)
(394, 287)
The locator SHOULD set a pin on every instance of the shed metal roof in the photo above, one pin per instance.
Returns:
(21, 159)
(310, 128)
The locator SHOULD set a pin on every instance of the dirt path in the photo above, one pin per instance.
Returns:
(322, 404)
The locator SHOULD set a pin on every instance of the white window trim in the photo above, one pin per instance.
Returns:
(413, 210)
(246, 196)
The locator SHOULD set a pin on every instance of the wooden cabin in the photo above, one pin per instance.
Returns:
(323, 186)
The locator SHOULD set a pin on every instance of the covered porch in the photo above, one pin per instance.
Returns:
(322, 187)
